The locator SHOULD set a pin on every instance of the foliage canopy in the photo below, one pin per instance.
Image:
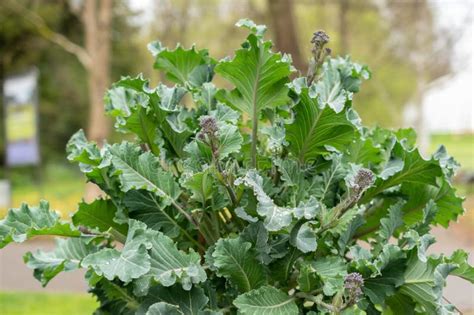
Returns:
(253, 200)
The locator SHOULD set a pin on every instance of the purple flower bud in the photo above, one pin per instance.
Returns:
(364, 178)
(320, 38)
(208, 126)
(353, 283)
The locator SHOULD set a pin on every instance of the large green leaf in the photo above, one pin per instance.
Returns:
(259, 77)
(26, 222)
(331, 269)
(411, 167)
(98, 215)
(424, 282)
(131, 262)
(142, 171)
(236, 261)
(170, 265)
(190, 302)
(317, 126)
(147, 207)
(66, 257)
(266, 300)
(184, 66)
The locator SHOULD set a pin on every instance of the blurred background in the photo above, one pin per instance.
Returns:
(58, 57)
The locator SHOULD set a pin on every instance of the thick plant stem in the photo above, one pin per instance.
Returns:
(254, 138)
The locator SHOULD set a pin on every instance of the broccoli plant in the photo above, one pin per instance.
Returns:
(261, 193)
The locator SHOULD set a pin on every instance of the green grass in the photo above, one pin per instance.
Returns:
(461, 147)
(21, 303)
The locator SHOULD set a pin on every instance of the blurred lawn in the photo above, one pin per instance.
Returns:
(461, 147)
(21, 303)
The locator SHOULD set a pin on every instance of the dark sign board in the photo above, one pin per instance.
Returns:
(21, 119)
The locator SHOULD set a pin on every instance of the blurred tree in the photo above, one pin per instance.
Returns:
(94, 57)
(425, 46)
(286, 36)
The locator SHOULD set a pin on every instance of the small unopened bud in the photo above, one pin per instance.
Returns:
(320, 38)
(209, 126)
(353, 283)
(364, 178)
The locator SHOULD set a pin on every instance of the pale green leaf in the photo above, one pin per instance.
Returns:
(130, 263)
(163, 308)
(142, 171)
(65, 257)
(276, 218)
(170, 265)
(266, 300)
(26, 222)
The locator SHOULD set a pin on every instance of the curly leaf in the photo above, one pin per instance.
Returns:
(169, 265)
(66, 257)
(142, 171)
(26, 222)
(276, 218)
(184, 66)
(130, 263)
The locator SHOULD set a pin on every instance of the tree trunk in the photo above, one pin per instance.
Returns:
(343, 33)
(286, 37)
(97, 20)
(97, 24)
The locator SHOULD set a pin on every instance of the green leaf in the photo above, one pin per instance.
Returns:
(26, 222)
(142, 171)
(200, 184)
(331, 270)
(413, 169)
(188, 67)
(282, 268)
(98, 215)
(148, 208)
(236, 261)
(82, 151)
(163, 308)
(307, 278)
(130, 263)
(276, 218)
(463, 270)
(389, 225)
(317, 126)
(420, 282)
(66, 257)
(259, 77)
(190, 302)
(304, 238)
(363, 152)
(266, 300)
(170, 265)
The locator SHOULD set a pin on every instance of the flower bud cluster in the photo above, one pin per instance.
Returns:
(353, 284)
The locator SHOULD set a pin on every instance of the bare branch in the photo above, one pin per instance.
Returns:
(47, 33)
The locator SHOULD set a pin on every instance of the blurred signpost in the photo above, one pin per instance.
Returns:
(20, 101)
